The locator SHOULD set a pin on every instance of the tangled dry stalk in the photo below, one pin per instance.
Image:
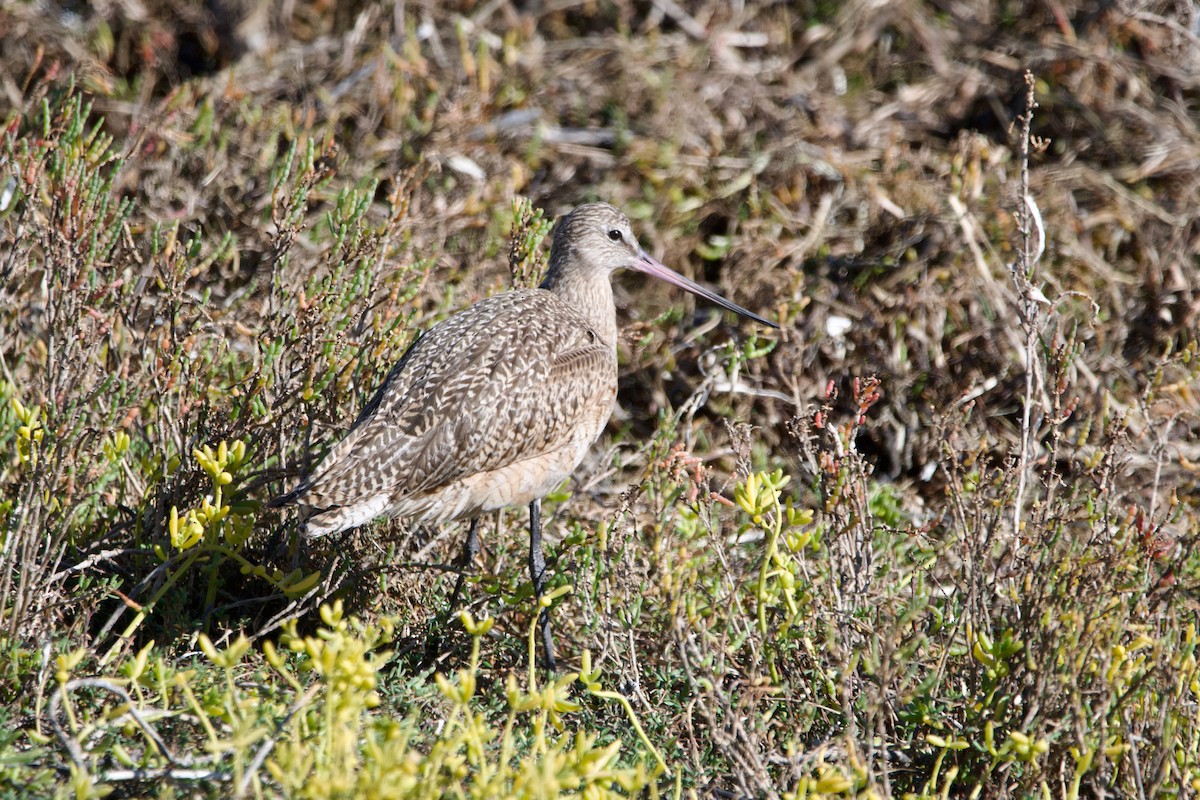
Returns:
(223, 222)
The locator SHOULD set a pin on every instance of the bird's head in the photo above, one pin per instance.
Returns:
(597, 239)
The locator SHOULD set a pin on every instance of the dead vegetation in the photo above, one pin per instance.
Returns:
(223, 222)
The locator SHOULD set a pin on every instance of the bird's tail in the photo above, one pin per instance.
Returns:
(324, 518)
(307, 513)
(290, 498)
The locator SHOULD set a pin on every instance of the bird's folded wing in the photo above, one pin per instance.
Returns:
(527, 414)
(465, 400)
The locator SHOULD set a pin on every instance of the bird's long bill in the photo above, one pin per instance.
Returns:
(651, 266)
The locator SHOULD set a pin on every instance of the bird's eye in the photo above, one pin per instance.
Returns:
(615, 235)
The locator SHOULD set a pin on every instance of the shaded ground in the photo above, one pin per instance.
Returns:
(308, 186)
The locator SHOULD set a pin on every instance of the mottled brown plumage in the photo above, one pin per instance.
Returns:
(496, 405)
(493, 407)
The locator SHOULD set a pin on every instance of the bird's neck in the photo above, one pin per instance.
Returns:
(589, 293)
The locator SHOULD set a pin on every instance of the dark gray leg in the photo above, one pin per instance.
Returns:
(470, 550)
(537, 571)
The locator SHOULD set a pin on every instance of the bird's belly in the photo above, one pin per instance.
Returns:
(522, 482)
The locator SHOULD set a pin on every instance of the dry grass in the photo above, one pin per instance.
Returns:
(288, 198)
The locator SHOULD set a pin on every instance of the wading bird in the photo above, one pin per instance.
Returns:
(496, 405)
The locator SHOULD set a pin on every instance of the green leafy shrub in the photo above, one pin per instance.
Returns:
(303, 721)
(973, 575)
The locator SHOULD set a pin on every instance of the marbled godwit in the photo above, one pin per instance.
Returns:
(496, 405)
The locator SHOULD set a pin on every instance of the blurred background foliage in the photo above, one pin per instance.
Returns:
(934, 537)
